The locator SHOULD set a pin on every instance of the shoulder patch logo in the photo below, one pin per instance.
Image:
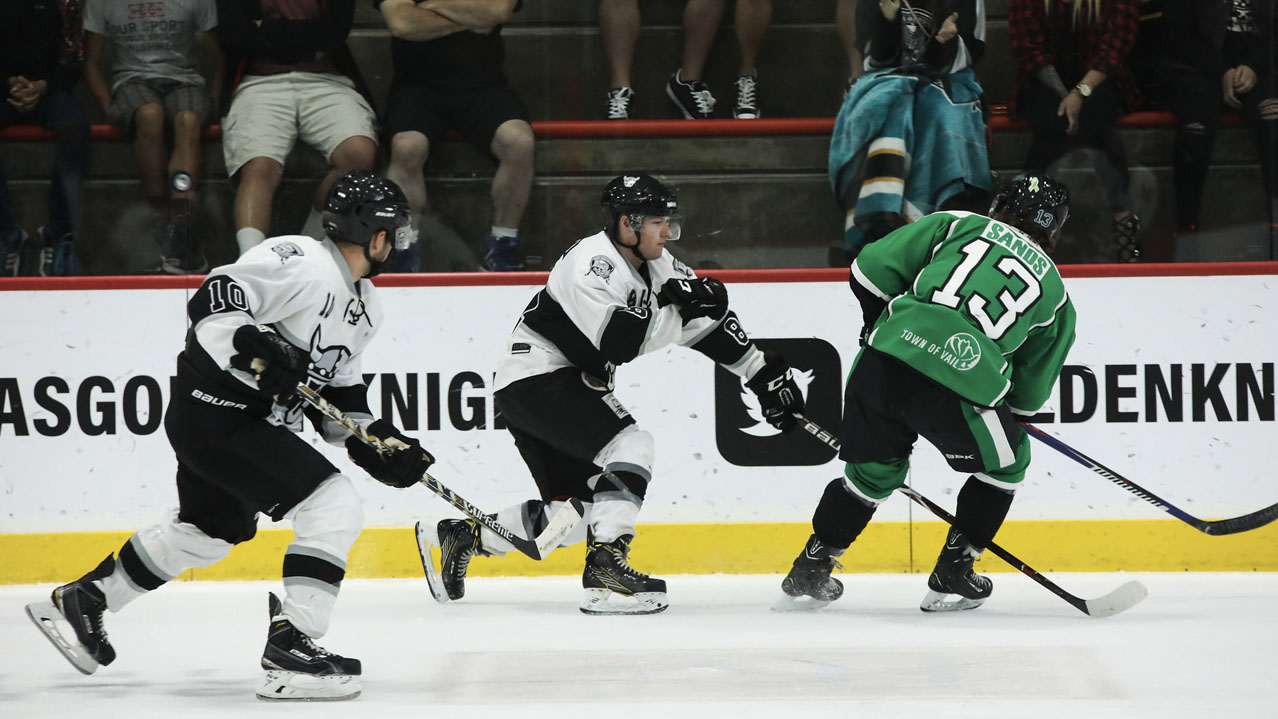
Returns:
(961, 352)
(602, 266)
(286, 250)
(681, 268)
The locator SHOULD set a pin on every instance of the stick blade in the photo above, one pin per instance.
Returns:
(1245, 523)
(47, 619)
(559, 527)
(1117, 601)
(427, 540)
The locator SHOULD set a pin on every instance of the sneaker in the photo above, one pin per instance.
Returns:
(298, 669)
(502, 255)
(178, 254)
(608, 572)
(693, 99)
(458, 544)
(58, 256)
(953, 575)
(11, 249)
(747, 98)
(1127, 237)
(810, 575)
(79, 604)
(620, 101)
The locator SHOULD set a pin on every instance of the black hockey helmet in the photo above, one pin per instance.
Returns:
(1034, 203)
(637, 195)
(361, 204)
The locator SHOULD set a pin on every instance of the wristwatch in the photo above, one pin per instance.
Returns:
(1084, 89)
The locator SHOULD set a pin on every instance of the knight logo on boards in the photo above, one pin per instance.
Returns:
(745, 439)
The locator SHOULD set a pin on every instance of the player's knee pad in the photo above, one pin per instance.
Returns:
(875, 481)
(630, 450)
(330, 518)
(161, 552)
(841, 515)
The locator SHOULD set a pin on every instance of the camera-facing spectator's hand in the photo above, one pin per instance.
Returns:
(948, 30)
(1268, 109)
(1244, 80)
(1227, 88)
(1069, 108)
(890, 8)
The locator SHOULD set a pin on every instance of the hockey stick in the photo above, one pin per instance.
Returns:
(1215, 528)
(559, 526)
(1119, 600)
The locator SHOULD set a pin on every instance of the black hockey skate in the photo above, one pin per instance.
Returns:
(953, 575)
(80, 604)
(458, 544)
(297, 669)
(809, 584)
(609, 573)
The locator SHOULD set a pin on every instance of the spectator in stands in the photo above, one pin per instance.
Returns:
(296, 79)
(41, 56)
(910, 136)
(1218, 50)
(619, 23)
(1073, 80)
(156, 88)
(448, 57)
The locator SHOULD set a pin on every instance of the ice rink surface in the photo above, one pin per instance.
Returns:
(1201, 645)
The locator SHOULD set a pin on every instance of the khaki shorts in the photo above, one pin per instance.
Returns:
(270, 113)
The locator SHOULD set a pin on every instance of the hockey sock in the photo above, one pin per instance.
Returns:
(505, 231)
(248, 238)
(982, 507)
(158, 554)
(840, 515)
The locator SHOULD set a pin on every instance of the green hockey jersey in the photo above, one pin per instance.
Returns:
(973, 304)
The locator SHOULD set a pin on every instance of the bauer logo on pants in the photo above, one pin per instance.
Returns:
(742, 435)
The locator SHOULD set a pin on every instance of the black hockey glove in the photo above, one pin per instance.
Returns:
(778, 393)
(701, 297)
(277, 365)
(402, 466)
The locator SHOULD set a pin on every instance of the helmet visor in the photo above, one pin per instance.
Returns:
(674, 223)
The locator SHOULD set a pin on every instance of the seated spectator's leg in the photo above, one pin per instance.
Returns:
(1038, 104)
(753, 20)
(150, 154)
(191, 108)
(409, 152)
(181, 249)
(1195, 100)
(495, 120)
(513, 146)
(62, 113)
(257, 134)
(1096, 125)
(11, 235)
(700, 26)
(415, 121)
(619, 24)
(845, 27)
(1260, 108)
(336, 120)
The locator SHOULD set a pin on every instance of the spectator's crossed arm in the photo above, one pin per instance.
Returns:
(479, 16)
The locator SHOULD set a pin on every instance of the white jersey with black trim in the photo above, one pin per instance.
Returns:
(598, 311)
(303, 289)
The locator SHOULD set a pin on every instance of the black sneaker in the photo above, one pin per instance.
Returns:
(82, 603)
(608, 572)
(502, 256)
(1127, 237)
(11, 249)
(810, 575)
(58, 256)
(747, 98)
(953, 575)
(693, 99)
(458, 544)
(297, 669)
(621, 103)
(178, 253)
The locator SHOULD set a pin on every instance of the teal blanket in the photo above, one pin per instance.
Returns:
(902, 146)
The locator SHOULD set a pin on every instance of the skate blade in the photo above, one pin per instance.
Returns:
(937, 602)
(283, 686)
(788, 604)
(427, 540)
(47, 618)
(603, 602)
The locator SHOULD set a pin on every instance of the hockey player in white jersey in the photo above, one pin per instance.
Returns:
(610, 298)
(290, 310)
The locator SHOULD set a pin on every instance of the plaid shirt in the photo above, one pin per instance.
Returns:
(1041, 34)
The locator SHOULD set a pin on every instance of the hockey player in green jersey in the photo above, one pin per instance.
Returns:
(967, 324)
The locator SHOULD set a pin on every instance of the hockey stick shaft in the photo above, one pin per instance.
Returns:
(1108, 605)
(530, 548)
(1217, 527)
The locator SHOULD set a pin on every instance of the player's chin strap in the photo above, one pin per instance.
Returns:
(1119, 600)
(564, 521)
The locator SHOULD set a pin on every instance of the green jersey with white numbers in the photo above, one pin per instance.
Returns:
(974, 304)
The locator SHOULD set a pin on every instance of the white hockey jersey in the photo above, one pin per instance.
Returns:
(303, 289)
(598, 311)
